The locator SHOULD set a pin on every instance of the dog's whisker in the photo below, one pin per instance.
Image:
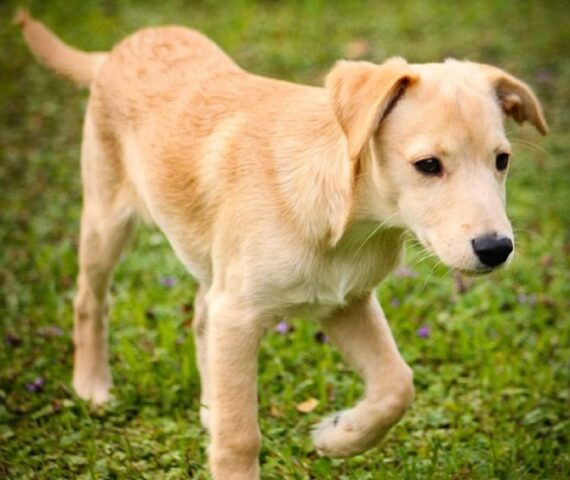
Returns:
(424, 258)
(530, 233)
(531, 145)
(429, 275)
(374, 231)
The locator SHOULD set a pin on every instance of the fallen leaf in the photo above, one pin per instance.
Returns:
(308, 405)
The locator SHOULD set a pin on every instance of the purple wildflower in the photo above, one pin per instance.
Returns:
(529, 299)
(168, 282)
(36, 386)
(424, 331)
(12, 340)
(405, 272)
(395, 302)
(283, 328)
(51, 331)
(543, 76)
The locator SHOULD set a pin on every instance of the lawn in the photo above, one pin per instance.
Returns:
(491, 354)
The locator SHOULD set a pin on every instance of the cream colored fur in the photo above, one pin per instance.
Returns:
(280, 199)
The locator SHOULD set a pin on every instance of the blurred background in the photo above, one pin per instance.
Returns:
(491, 355)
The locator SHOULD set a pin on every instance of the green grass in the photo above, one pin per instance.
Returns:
(493, 397)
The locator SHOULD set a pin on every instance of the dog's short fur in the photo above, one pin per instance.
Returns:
(280, 199)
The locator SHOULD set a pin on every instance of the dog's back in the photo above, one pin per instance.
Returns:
(154, 68)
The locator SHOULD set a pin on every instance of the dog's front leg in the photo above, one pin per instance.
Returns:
(233, 338)
(361, 332)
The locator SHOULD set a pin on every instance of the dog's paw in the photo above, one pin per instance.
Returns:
(96, 392)
(338, 436)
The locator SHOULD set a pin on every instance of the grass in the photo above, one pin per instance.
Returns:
(492, 377)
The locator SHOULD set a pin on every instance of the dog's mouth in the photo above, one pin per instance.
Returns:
(477, 272)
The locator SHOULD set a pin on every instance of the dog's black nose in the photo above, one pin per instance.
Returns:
(492, 250)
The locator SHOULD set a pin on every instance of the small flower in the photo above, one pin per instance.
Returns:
(405, 272)
(527, 299)
(395, 302)
(424, 331)
(168, 282)
(543, 76)
(36, 386)
(51, 331)
(12, 340)
(283, 328)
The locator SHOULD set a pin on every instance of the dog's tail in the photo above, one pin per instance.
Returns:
(79, 66)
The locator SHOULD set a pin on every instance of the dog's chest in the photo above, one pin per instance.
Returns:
(342, 276)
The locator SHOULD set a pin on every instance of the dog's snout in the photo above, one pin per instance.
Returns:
(492, 250)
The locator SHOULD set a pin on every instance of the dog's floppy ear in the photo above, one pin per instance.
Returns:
(516, 98)
(362, 94)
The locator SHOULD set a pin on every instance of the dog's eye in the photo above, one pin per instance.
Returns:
(502, 161)
(429, 166)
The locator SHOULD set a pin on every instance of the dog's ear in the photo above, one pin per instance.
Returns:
(362, 94)
(515, 97)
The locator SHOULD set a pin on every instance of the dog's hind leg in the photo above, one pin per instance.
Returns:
(361, 332)
(106, 226)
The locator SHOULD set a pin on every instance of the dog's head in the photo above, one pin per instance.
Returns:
(430, 151)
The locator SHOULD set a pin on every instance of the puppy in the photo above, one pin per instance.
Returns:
(283, 199)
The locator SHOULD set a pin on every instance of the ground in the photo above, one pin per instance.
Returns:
(491, 355)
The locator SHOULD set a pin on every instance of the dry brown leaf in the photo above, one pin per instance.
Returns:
(308, 405)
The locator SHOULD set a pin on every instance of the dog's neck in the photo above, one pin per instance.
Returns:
(315, 166)
(372, 213)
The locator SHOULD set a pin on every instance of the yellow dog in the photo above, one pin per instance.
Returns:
(279, 199)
